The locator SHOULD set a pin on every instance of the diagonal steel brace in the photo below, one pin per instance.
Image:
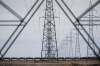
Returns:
(77, 20)
(10, 10)
(78, 30)
(21, 29)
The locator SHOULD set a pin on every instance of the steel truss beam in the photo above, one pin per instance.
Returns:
(89, 9)
(96, 21)
(88, 20)
(90, 25)
(77, 20)
(12, 22)
(6, 21)
(10, 10)
(14, 39)
(10, 25)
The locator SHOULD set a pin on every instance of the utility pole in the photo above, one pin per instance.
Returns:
(49, 42)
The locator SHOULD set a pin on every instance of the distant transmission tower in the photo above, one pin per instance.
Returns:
(49, 43)
(77, 46)
(91, 22)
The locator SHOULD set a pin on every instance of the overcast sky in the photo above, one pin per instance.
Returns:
(29, 42)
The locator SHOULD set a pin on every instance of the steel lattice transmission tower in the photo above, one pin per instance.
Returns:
(91, 29)
(49, 43)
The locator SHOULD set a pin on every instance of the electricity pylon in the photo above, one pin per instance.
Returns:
(49, 43)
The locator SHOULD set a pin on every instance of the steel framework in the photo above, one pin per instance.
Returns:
(49, 43)
(18, 29)
(78, 21)
(22, 24)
